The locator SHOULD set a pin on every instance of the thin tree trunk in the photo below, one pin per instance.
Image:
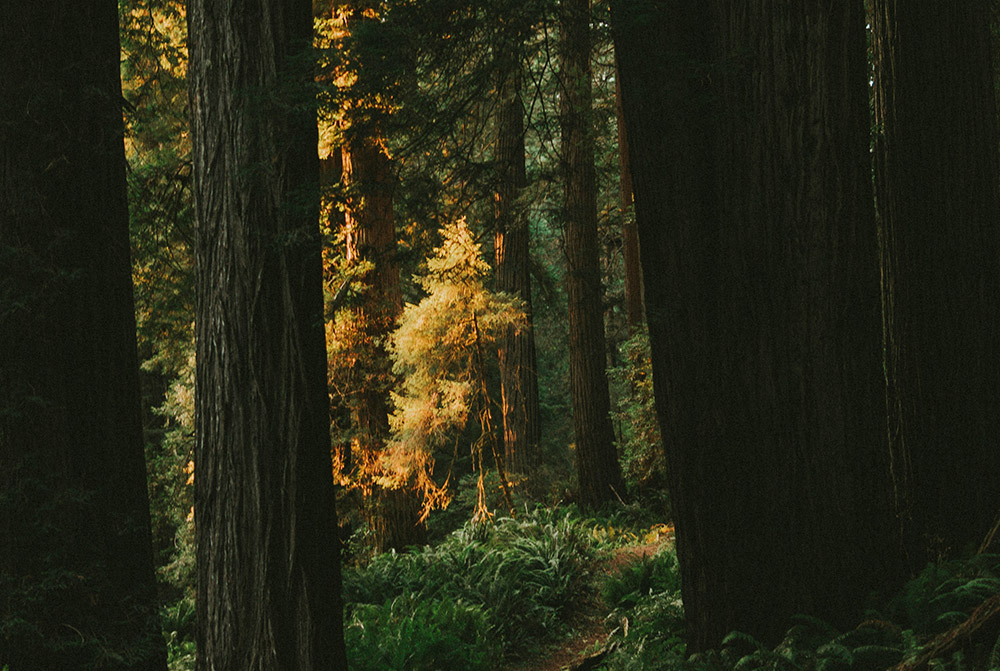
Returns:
(76, 565)
(635, 315)
(268, 555)
(597, 464)
(748, 140)
(518, 368)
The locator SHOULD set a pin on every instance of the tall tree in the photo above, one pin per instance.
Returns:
(938, 191)
(367, 184)
(370, 231)
(76, 572)
(268, 556)
(634, 312)
(748, 137)
(598, 469)
(518, 362)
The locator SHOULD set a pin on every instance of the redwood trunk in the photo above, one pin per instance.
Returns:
(635, 315)
(939, 205)
(268, 555)
(748, 136)
(76, 565)
(598, 470)
(394, 515)
(518, 371)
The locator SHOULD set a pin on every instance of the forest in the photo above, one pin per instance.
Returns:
(402, 335)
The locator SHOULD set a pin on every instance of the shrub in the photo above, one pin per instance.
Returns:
(640, 445)
(526, 575)
(410, 634)
(647, 616)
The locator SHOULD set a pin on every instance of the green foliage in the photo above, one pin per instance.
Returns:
(157, 144)
(639, 443)
(179, 632)
(170, 469)
(154, 66)
(813, 644)
(648, 625)
(409, 634)
(945, 593)
(526, 574)
(650, 575)
(647, 616)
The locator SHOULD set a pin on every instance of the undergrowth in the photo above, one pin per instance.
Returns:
(487, 589)
(647, 626)
(504, 589)
(646, 620)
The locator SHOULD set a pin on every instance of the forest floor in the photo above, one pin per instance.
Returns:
(588, 630)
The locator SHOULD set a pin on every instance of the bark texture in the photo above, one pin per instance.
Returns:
(748, 138)
(518, 367)
(598, 470)
(268, 555)
(76, 566)
(939, 204)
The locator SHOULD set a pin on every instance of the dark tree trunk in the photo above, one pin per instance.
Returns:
(939, 205)
(76, 566)
(518, 368)
(635, 315)
(748, 137)
(599, 473)
(268, 555)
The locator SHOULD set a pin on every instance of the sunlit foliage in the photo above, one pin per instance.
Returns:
(439, 349)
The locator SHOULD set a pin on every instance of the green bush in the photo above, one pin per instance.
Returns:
(641, 448)
(408, 634)
(647, 617)
(178, 622)
(526, 574)
(651, 575)
(945, 593)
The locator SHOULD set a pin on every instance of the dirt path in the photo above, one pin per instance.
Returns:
(588, 631)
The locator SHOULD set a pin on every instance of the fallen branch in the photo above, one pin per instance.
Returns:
(961, 636)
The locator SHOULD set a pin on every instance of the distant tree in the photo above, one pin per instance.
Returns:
(76, 572)
(518, 361)
(371, 240)
(938, 194)
(439, 350)
(634, 312)
(599, 472)
(367, 183)
(268, 555)
(748, 137)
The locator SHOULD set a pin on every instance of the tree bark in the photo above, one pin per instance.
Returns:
(599, 472)
(635, 315)
(939, 203)
(268, 554)
(76, 566)
(518, 367)
(748, 138)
